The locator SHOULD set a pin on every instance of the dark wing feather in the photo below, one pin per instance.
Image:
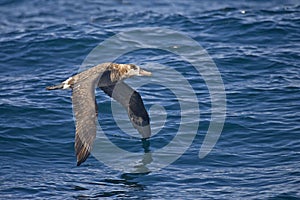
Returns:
(84, 109)
(131, 100)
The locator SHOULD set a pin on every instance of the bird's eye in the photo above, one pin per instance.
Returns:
(133, 67)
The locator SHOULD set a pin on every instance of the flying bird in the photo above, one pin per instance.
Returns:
(109, 78)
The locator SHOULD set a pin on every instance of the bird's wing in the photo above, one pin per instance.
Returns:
(131, 100)
(84, 109)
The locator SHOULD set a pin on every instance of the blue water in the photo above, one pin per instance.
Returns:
(256, 47)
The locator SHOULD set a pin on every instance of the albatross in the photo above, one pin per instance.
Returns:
(109, 77)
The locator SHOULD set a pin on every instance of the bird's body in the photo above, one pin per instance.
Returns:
(108, 77)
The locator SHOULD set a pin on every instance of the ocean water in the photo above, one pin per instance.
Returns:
(256, 48)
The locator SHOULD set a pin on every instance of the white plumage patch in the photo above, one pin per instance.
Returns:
(67, 83)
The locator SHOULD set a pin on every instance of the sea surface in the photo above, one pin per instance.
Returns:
(255, 46)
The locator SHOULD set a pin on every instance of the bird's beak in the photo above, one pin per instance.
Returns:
(144, 73)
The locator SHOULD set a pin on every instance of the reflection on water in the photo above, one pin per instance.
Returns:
(141, 167)
(122, 187)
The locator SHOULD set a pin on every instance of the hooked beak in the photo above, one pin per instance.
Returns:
(144, 73)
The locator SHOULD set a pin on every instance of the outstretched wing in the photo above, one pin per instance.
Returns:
(131, 100)
(84, 109)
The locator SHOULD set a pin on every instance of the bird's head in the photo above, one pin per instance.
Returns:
(134, 70)
(123, 71)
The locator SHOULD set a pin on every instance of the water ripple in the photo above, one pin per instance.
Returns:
(255, 46)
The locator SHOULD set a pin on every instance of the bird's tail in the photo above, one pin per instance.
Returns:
(55, 87)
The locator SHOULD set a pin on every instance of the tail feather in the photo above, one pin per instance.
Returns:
(55, 87)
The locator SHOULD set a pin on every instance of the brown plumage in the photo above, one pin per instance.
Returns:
(108, 77)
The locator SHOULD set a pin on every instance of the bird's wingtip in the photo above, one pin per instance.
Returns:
(82, 154)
